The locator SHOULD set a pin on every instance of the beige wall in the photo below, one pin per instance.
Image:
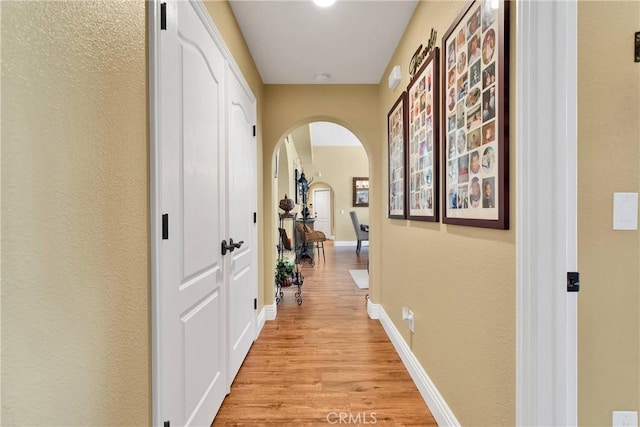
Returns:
(459, 281)
(608, 162)
(75, 249)
(285, 173)
(301, 137)
(0, 225)
(286, 184)
(355, 107)
(338, 166)
(226, 23)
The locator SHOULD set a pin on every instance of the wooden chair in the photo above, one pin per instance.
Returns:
(316, 238)
(285, 242)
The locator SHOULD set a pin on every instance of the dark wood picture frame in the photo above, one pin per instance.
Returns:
(423, 130)
(360, 199)
(475, 119)
(397, 135)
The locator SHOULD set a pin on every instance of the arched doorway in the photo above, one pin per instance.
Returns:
(287, 107)
(331, 156)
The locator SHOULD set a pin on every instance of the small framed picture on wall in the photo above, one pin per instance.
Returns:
(360, 192)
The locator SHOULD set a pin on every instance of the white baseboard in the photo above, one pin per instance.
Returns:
(261, 321)
(432, 397)
(349, 243)
(373, 310)
(268, 312)
(271, 311)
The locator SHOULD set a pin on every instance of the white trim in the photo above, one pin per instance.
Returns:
(268, 312)
(350, 243)
(262, 317)
(432, 397)
(546, 316)
(373, 310)
(154, 210)
(271, 311)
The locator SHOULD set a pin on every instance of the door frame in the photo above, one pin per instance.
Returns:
(327, 189)
(153, 26)
(546, 219)
(155, 173)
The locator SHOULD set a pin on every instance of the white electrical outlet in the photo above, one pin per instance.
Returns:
(405, 313)
(625, 419)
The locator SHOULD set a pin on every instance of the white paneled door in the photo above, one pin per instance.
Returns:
(192, 295)
(242, 198)
(322, 211)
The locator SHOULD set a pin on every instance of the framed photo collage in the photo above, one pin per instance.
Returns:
(473, 117)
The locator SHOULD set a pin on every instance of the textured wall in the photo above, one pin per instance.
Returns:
(75, 248)
(459, 281)
(608, 162)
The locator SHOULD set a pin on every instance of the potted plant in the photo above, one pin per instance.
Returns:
(284, 272)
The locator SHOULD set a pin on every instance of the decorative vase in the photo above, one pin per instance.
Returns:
(286, 205)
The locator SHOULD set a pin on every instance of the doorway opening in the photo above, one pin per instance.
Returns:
(330, 156)
(321, 205)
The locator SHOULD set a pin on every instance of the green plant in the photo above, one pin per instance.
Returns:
(284, 269)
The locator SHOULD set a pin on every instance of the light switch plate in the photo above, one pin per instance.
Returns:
(625, 211)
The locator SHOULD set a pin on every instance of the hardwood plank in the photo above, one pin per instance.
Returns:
(324, 360)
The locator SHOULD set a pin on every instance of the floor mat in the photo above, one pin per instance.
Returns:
(361, 277)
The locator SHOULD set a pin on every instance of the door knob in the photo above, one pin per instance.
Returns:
(235, 245)
(231, 246)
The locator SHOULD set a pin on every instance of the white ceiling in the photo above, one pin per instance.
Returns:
(327, 134)
(293, 41)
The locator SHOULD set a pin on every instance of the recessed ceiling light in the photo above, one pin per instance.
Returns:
(322, 77)
(324, 3)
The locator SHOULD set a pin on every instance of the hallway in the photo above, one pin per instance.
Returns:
(324, 359)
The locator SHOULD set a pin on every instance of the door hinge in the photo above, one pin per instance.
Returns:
(167, 424)
(573, 281)
(637, 46)
(163, 16)
(165, 227)
(255, 303)
(255, 217)
(254, 130)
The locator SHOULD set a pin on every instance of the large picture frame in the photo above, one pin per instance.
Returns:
(475, 123)
(423, 133)
(397, 146)
(360, 192)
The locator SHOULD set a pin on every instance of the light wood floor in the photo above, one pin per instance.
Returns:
(323, 360)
